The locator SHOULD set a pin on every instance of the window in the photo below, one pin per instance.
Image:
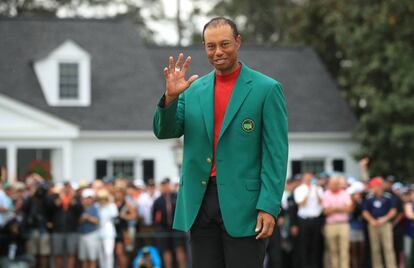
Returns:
(338, 165)
(124, 169)
(301, 166)
(114, 168)
(101, 169)
(314, 166)
(148, 169)
(68, 81)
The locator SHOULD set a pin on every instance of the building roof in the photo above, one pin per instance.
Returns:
(127, 78)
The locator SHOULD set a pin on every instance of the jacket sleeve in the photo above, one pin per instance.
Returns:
(168, 122)
(274, 151)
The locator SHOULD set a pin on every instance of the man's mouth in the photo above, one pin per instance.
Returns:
(220, 61)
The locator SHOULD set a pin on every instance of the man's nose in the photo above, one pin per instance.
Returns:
(219, 52)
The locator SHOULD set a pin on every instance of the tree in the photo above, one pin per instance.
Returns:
(134, 9)
(261, 21)
(368, 47)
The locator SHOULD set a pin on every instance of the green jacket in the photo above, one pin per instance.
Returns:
(251, 154)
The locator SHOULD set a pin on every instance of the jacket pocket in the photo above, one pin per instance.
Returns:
(253, 185)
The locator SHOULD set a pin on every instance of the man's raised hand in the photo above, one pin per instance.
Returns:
(175, 82)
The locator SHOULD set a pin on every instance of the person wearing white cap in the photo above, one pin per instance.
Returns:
(88, 229)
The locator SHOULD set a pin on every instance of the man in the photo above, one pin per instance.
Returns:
(288, 223)
(65, 210)
(337, 205)
(308, 196)
(234, 124)
(398, 223)
(36, 208)
(88, 230)
(6, 207)
(378, 210)
(174, 241)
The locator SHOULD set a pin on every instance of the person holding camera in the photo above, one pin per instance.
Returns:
(147, 257)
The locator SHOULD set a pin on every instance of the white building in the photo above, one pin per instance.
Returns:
(79, 95)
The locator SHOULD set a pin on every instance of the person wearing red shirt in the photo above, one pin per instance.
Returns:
(234, 123)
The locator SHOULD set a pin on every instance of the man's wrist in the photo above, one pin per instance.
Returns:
(169, 99)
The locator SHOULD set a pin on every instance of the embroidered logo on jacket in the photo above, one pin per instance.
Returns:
(248, 125)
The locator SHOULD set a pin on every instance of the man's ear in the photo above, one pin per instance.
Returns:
(238, 40)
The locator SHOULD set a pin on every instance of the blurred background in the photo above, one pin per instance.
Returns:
(80, 79)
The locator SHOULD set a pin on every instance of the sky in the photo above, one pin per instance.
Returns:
(166, 33)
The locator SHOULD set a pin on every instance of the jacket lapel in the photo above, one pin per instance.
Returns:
(241, 90)
(206, 97)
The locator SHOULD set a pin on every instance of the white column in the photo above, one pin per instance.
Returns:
(67, 162)
(138, 168)
(328, 164)
(11, 163)
(57, 164)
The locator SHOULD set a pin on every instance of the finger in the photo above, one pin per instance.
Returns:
(259, 224)
(166, 73)
(171, 64)
(192, 79)
(179, 61)
(263, 232)
(270, 230)
(186, 64)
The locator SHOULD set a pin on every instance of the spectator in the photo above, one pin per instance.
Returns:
(288, 224)
(145, 203)
(409, 213)
(66, 210)
(88, 229)
(107, 214)
(12, 245)
(126, 213)
(36, 209)
(144, 210)
(378, 210)
(163, 212)
(337, 204)
(356, 233)
(308, 196)
(394, 188)
(147, 257)
(6, 207)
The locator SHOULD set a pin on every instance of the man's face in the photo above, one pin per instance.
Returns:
(87, 201)
(221, 47)
(378, 189)
(165, 188)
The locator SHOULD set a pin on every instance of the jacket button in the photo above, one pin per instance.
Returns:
(209, 160)
(204, 183)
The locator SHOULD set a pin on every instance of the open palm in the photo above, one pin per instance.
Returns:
(175, 81)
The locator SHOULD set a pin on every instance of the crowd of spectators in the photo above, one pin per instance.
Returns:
(326, 220)
(107, 223)
(334, 221)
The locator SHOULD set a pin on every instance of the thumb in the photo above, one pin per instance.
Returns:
(259, 223)
(192, 79)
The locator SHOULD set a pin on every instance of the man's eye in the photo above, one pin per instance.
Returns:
(210, 46)
(225, 44)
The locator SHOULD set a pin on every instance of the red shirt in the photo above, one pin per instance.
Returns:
(223, 88)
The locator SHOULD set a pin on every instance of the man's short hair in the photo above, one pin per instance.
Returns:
(220, 21)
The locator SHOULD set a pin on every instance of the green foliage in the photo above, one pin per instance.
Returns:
(369, 47)
(260, 21)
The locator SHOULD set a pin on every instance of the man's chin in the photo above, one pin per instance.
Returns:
(221, 67)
